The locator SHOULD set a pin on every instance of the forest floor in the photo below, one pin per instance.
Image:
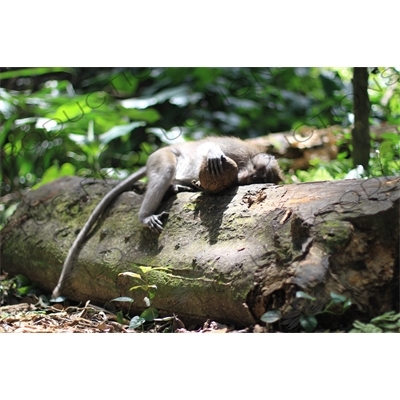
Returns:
(24, 309)
(28, 317)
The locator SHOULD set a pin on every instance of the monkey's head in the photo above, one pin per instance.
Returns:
(262, 168)
(214, 184)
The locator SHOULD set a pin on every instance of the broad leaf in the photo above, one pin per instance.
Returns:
(271, 316)
(308, 322)
(118, 131)
(136, 322)
(124, 299)
(145, 270)
(303, 295)
(338, 298)
(149, 314)
(131, 274)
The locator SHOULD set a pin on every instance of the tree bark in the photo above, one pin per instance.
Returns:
(360, 132)
(230, 257)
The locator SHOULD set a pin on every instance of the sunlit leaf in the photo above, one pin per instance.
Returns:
(271, 316)
(59, 299)
(118, 131)
(347, 304)
(136, 322)
(123, 299)
(24, 290)
(303, 295)
(131, 274)
(149, 115)
(67, 169)
(143, 287)
(52, 173)
(123, 83)
(71, 111)
(160, 97)
(145, 270)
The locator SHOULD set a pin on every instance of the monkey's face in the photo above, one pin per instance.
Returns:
(262, 168)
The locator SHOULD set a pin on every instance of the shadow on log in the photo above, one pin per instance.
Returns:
(231, 256)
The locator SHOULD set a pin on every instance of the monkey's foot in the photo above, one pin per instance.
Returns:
(154, 222)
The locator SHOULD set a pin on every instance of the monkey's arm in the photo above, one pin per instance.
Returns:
(97, 212)
(214, 155)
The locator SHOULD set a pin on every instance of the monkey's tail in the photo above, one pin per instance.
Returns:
(99, 209)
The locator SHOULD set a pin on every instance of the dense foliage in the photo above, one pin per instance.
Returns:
(106, 121)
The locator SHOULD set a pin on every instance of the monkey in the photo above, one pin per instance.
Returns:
(177, 167)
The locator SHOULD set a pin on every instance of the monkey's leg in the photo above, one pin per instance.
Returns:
(161, 169)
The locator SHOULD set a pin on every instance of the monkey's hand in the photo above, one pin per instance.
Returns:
(215, 157)
(154, 222)
(181, 188)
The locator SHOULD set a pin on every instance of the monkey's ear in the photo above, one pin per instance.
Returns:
(262, 160)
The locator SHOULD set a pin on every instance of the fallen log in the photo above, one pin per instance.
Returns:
(230, 257)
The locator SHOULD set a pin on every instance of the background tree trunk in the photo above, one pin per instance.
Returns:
(360, 133)
(231, 256)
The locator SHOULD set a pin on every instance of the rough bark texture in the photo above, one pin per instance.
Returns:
(231, 256)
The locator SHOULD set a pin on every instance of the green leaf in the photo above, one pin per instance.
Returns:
(54, 172)
(124, 299)
(389, 326)
(149, 314)
(136, 322)
(387, 316)
(308, 322)
(32, 72)
(131, 274)
(151, 292)
(118, 131)
(347, 304)
(24, 290)
(271, 316)
(161, 268)
(143, 287)
(338, 298)
(120, 317)
(124, 83)
(22, 280)
(149, 115)
(67, 169)
(303, 295)
(365, 328)
(145, 270)
(71, 111)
